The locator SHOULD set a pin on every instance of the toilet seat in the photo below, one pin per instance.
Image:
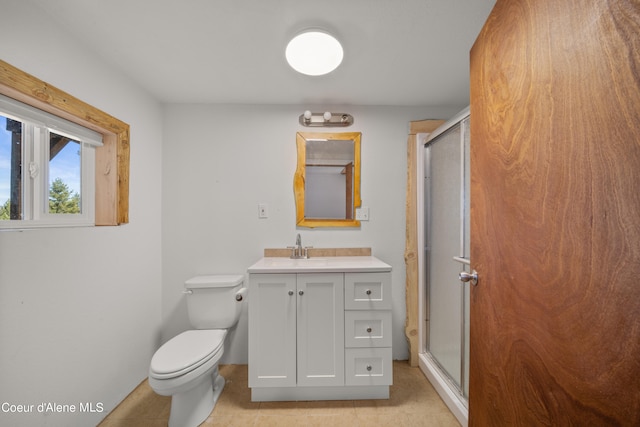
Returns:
(186, 352)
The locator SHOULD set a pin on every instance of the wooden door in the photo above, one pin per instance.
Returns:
(555, 207)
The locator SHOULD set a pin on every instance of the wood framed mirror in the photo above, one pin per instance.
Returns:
(326, 183)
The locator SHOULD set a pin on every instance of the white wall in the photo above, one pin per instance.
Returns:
(219, 162)
(80, 308)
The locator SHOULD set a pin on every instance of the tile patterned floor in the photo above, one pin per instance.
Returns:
(413, 403)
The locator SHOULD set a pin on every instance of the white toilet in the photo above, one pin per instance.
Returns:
(186, 366)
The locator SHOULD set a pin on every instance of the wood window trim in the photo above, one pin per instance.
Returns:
(411, 326)
(112, 159)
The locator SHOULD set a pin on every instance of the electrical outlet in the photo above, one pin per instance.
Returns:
(263, 210)
(362, 214)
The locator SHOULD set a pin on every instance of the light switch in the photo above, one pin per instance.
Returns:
(362, 214)
(263, 210)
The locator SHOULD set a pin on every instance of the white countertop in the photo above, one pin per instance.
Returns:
(319, 265)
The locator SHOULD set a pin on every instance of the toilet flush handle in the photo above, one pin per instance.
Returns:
(187, 291)
(241, 294)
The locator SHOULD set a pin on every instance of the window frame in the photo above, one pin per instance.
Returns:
(37, 127)
(112, 159)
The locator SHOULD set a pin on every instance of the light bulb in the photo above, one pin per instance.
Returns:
(307, 115)
(327, 116)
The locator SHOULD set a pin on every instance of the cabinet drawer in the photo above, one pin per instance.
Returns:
(366, 291)
(368, 366)
(367, 328)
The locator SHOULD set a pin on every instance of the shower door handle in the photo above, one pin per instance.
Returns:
(469, 277)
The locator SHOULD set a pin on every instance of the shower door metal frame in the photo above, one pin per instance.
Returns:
(452, 393)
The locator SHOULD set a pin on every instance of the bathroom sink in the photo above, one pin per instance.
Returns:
(295, 262)
(313, 265)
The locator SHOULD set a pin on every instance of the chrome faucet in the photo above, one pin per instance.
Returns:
(297, 251)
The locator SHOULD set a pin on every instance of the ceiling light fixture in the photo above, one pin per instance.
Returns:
(314, 53)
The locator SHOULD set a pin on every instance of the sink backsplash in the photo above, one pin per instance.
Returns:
(319, 252)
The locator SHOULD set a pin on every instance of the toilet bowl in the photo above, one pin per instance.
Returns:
(186, 367)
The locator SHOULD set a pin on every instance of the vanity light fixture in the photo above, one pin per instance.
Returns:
(326, 119)
(314, 53)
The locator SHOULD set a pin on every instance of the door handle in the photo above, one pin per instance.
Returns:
(469, 277)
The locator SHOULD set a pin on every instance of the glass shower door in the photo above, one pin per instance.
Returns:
(447, 252)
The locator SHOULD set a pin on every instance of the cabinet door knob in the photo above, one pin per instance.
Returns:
(369, 367)
(368, 292)
(300, 292)
(369, 329)
(290, 292)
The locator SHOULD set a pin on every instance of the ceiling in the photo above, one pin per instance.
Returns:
(397, 52)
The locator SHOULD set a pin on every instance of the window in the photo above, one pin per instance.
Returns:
(112, 159)
(47, 169)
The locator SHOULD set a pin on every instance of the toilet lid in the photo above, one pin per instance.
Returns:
(187, 351)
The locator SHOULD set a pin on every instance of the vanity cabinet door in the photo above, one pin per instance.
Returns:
(320, 329)
(272, 330)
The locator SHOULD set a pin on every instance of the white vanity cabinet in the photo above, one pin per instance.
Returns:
(319, 330)
(296, 330)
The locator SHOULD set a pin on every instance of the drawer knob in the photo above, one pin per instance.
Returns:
(300, 292)
(290, 292)
(369, 367)
(368, 292)
(369, 329)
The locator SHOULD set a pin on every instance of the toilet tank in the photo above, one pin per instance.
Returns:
(211, 301)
